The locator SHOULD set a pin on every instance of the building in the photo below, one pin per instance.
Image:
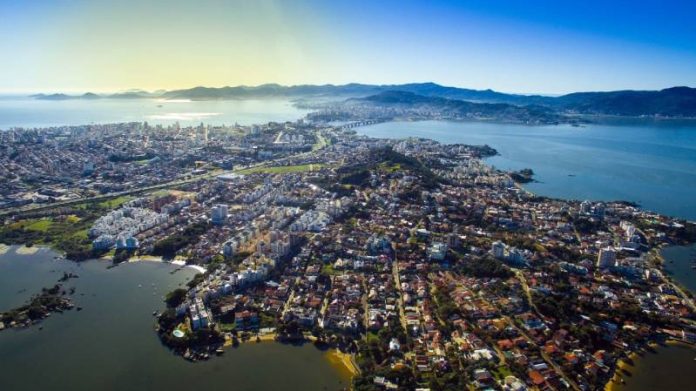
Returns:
(437, 251)
(498, 250)
(606, 258)
(219, 214)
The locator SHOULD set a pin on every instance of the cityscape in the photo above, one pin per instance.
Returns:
(416, 260)
(307, 235)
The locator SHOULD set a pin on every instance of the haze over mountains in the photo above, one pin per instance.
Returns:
(669, 102)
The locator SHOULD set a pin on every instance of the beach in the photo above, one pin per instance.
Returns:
(658, 363)
(177, 262)
(24, 250)
(342, 361)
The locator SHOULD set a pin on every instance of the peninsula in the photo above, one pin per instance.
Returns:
(418, 262)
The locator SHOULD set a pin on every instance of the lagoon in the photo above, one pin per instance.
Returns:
(111, 344)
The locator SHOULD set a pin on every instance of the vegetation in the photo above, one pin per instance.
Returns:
(388, 161)
(175, 297)
(65, 232)
(524, 175)
(122, 255)
(485, 267)
(40, 306)
(281, 169)
(169, 246)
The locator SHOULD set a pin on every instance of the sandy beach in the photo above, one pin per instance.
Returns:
(4, 248)
(24, 250)
(615, 383)
(177, 262)
(344, 362)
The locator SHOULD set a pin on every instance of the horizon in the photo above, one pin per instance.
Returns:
(533, 48)
(106, 93)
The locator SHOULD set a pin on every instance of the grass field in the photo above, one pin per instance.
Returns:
(281, 169)
(115, 202)
(39, 225)
(67, 234)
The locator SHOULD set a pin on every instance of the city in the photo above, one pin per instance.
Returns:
(347, 195)
(422, 265)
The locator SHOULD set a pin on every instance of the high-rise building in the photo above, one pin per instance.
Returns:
(219, 214)
(606, 258)
(498, 249)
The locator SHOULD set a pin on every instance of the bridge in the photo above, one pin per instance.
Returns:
(362, 123)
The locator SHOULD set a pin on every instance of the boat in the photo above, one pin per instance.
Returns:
(219, 352)
(154, 313)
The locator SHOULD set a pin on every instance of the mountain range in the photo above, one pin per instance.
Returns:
(669, 102)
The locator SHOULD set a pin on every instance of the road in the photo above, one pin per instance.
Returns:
(159, 186)
(526, 336)
(397, 281)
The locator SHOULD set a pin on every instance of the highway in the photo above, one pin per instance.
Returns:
(137, 190)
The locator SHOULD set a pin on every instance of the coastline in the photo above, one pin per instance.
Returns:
(614, 384)
(343, 362)
(24, 250)
(632, 360)
(333, 355)
(177, 262)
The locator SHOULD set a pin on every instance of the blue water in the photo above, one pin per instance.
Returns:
(28, 112)
(652, 163)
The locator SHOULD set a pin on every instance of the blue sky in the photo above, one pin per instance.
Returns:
(514, 46)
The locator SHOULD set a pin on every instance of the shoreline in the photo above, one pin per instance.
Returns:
(22, 249)
(631, 361)
(341, 361)
(176, 262)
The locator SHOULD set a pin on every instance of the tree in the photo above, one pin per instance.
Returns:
(175, 297)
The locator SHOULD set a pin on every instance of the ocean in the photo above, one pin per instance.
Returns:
(28, 112)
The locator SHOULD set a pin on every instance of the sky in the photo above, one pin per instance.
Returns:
(531, 46)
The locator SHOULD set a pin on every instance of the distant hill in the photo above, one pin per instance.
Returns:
(91, 95)
(670, 102)
(53, 96)
(389, 105)
(346, 90)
